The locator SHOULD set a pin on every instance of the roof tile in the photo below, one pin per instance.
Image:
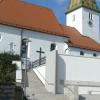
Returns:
(17, 13)
(80, 41)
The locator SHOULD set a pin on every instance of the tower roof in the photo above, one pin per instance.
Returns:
(90, 4)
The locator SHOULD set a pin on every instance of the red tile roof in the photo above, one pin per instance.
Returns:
(80, 41)
(27, 16)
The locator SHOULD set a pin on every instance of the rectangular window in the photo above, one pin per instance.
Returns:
(73, 17)
(94, 54)
(81, 53)
(90, 16)
(53, 47)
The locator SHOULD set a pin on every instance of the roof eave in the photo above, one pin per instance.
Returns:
(32, 29)
(91, 49)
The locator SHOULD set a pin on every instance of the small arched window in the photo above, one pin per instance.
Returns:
(94, 54)
(90, 16)
(81, 53)
(52, 47)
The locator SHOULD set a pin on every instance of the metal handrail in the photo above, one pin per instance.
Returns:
(39, 62)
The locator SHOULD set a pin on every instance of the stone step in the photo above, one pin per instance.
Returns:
(37, 91)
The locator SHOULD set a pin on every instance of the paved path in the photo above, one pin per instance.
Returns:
(37, 91)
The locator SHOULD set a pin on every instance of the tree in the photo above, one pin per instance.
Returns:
(7, 69)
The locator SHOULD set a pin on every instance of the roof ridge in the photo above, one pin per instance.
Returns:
(28, 3)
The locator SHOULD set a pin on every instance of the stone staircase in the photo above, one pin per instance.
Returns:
(36, 90)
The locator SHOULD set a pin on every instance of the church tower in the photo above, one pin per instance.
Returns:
(84, 16)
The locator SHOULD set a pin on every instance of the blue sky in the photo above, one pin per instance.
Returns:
(59, 7)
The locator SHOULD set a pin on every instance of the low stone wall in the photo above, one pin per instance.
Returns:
(7, 91)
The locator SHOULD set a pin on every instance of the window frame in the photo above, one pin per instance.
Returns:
(95, 55)
(52, 48)
(82, 53)
(90, 16)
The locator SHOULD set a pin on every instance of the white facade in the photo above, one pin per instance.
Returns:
(10, 35)
(44, 41)
(13, 35)
(87, 53)
(80, 19)
(62, 72)
(81, 69)
(66, 65)
(74, 19)
(70, 70)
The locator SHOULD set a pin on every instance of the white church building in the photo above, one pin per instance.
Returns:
(64, 57)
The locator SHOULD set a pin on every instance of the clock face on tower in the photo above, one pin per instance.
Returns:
(90, 23)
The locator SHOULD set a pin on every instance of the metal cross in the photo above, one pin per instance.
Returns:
(40, 54)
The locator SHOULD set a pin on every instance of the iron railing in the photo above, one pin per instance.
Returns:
(39, 62)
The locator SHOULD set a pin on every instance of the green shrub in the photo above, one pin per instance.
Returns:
(7, 68)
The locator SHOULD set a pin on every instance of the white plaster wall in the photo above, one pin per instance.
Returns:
(81, 68)
(10, 34)
(44, 41)
(78, 23)
(87, 53)
(84, 69)
(94, 31)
